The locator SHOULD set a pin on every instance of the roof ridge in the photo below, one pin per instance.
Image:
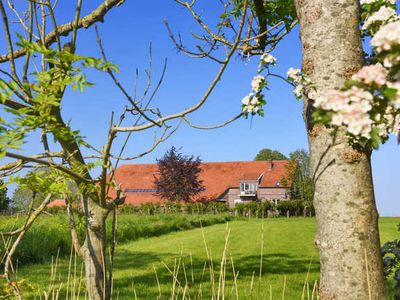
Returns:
(217, 162)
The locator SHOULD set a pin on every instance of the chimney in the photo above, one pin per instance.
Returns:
(270, 165)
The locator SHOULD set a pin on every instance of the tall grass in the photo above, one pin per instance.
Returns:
(278, 262)
(219, 280)
(50, 235)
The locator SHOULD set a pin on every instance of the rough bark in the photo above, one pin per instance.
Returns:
(347, 217)
(93, 251)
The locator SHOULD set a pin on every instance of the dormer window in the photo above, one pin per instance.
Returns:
(248, 188)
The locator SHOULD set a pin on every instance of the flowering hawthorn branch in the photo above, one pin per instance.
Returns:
(368, 106)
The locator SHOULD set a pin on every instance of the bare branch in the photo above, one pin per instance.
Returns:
(95, 16)
(53, 19)
(9, 41)
(75, 29)
(106, 161)
(156, 142)
(21, 21)
(216, 37)
(119, 85)
(50, 164)
(217, 78)
(28, 55)
(201, 54)
(214, 126)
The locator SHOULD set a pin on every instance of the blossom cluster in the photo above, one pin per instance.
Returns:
(351, 108)
(377, 13)
(386, 43)
(254, 101)
(303, 85)
(369, 104)
(257, 83)
(267, 59)
(373, 74)
(384, 15)
(387, 37)
(251, 104)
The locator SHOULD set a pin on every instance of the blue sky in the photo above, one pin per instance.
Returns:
(127, 32)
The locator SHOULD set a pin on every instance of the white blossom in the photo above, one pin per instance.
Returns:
(351, 108)
(267, 59)
(387, 37)
(359, 107)
(382, 130)
(298, 91)
(250, 109)
(396, 125)
(257, 82)
(372, 74)
(384, 15)
(363, 2)
(246, 100)
(294, 74)
(254, 101)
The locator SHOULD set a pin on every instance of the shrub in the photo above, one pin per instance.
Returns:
(391, 264)
(217, 207)
(261, 209)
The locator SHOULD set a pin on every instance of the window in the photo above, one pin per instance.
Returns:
(244, 187)
(248, 187)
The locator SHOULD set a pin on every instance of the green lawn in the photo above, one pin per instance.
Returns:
(52, 232)
(288, 254)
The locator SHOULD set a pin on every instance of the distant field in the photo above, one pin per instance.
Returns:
(289, 259)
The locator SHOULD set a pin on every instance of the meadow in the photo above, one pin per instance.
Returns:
(52, 232)
(189, 263)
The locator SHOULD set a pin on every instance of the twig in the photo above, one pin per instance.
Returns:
(95, 16)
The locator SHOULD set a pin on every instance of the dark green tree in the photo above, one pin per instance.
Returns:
(266, 154)
(4, 200)
(178, 177)
(302, 186)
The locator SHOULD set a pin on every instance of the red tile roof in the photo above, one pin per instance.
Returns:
(56, 203)
(217, 177)
(251, 176)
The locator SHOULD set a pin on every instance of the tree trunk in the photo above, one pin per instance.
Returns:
(94, 251)
(347, 219)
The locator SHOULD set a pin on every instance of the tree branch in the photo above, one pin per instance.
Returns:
(95, 16)
(214, 126)
(50, 164)
(213, 84)
(72, 226)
